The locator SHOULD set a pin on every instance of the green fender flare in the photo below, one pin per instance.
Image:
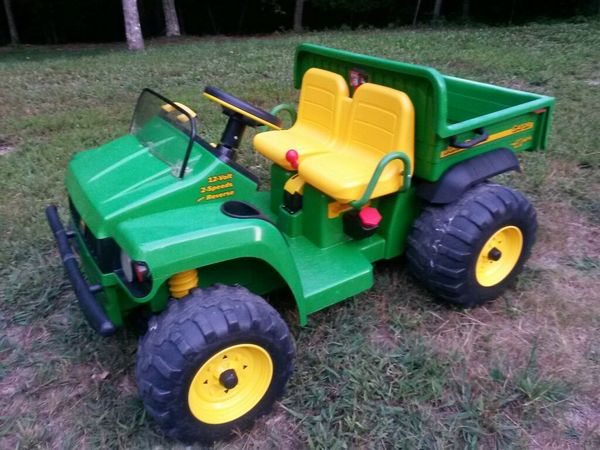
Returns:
(182, 239)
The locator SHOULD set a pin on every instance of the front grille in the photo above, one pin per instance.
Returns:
(104, 251)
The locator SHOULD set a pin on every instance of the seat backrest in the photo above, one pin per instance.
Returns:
(322, 97)
(381, 120)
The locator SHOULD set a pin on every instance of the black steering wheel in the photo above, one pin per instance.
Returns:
(255, 115)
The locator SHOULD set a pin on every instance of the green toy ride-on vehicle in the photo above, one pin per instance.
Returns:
(384, 158)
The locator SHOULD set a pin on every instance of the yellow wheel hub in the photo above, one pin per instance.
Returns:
(499, 256)
(230, 383)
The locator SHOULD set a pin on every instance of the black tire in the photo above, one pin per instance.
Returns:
(446, 241)
(186, 335)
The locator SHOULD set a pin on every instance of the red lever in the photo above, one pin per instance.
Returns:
(292, 156)
(369, 217)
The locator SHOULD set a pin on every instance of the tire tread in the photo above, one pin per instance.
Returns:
(434, 252)
(200, 319)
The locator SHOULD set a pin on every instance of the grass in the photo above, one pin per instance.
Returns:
(388, 368)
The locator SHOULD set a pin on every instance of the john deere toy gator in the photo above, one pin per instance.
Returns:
(384, 158)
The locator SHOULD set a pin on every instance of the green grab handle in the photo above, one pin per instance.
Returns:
(377, 173)
(288, 108)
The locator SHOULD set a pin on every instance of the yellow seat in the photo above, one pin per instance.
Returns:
(381, 120)
(323, 98)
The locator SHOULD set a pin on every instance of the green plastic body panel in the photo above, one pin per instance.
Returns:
(445, 107)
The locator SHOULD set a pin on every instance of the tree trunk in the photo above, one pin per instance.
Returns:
(416, 13)
(211, 18)
(133, 29)
(298, 12)
(50, 25)
(12, 27)
(243, 9)
(466, 7)
(437, 9)
(171, 20)
(512, 12)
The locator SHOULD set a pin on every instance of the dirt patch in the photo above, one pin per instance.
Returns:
(45, 407)
(6, 148)
(8, 144)
(26, 336)
(584, 418)
(549, 320)
(559, 299)
(16, 381)
(563, 234)
(381, 336)
(127, 386)
(581, 428)
(276, 430)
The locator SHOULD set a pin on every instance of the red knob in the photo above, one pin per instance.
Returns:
(369, 217)
(292, 156)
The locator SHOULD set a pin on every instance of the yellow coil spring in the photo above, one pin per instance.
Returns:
(181, 283)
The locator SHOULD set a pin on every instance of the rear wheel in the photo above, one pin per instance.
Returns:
(468, 252)
(213, 362)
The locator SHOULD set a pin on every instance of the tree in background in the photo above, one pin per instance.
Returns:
(298, 11)
(171, 19)
(466, 6)
(416, 15)
(133, 29)
(71, 21)
(12, 27)
(437, 9)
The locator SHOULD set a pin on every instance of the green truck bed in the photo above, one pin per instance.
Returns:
(449, 110)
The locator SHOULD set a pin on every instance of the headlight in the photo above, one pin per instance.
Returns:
(127, 266)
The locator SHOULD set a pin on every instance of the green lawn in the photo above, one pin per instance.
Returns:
(388, 368)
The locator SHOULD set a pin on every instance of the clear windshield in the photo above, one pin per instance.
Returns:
(165, 128)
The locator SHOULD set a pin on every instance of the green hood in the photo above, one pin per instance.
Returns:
(122, 179)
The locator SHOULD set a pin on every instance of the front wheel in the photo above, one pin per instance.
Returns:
(468, 252)
(213, 362)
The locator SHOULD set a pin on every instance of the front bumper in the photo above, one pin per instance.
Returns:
(92, 309)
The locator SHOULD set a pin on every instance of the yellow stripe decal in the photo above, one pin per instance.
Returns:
(493, 137)
(241, 111)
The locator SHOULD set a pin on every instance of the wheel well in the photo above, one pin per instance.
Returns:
(256, 275)
(466, 174)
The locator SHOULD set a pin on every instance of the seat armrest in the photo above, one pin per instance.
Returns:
(377, 173)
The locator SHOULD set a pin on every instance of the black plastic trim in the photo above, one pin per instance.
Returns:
(243, 210)
(482, 136)
(91, 308)
(104, 251)
(136, 288)
(292, 202)
(466, 174)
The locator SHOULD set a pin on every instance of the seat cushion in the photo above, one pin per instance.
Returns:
(275, 144)
(380, 121)
(323, 102)
(347, 175)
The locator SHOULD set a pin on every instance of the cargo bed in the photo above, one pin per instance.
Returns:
(456, 119)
